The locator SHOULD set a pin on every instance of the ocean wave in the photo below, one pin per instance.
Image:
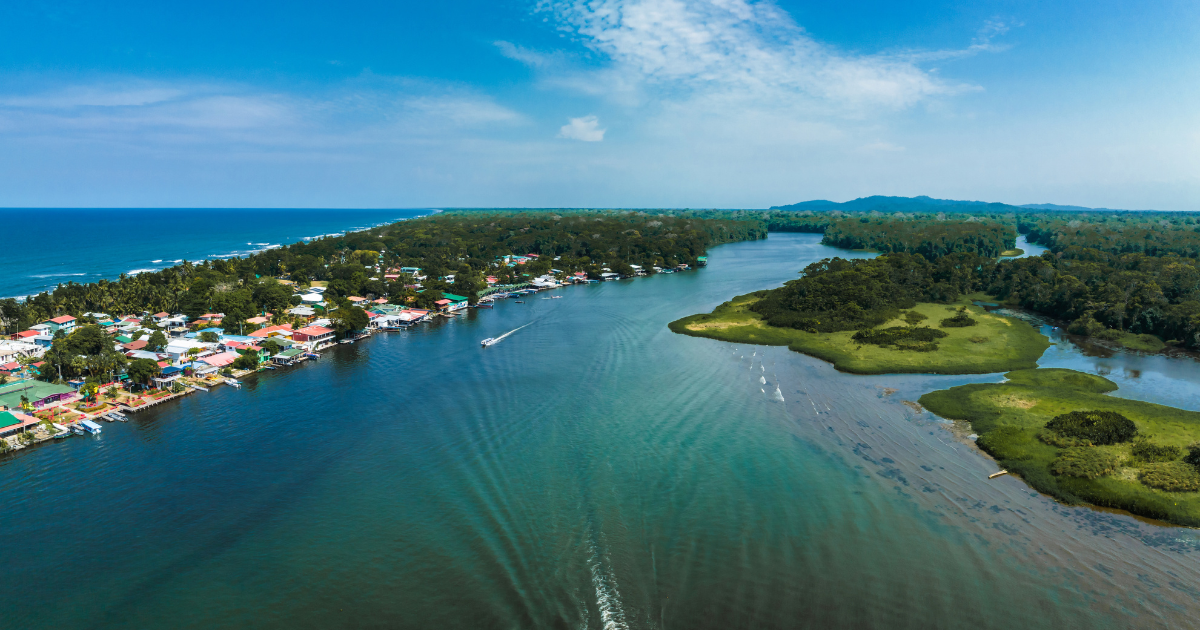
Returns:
(56, 275)
(156, 261)
(137, 271)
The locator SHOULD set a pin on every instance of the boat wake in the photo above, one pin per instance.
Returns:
(608, 598)
(491, 341)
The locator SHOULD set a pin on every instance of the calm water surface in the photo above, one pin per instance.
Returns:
(593, 470)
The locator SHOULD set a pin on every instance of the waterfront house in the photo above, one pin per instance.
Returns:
(38, 393)
(169, 375)
(314, 336)
(288, 357)
(12, 422)
(66, 323)
(451, 303)
(218, 361)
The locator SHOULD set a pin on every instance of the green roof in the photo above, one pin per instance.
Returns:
(287, 354)
(454, 298)
(7, 419)
(10, 395)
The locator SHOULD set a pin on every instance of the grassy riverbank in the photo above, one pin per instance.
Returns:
(994, 344)
(1009, 417)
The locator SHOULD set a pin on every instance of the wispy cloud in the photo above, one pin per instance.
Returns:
(737, 47)
(586, 129)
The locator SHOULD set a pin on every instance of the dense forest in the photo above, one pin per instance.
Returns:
(1107, 272)
(838, 294)
(465, 245)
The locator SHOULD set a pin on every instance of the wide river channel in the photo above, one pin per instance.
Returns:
(593, 470)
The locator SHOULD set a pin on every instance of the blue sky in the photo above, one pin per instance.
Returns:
(599, 103)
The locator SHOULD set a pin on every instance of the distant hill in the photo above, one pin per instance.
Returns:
(922, 203)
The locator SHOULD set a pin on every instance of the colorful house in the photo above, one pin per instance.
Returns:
(66, 323)
(313, 335)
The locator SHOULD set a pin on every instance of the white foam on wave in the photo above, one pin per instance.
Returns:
(137, 271)
(156, 261)
(608, 598)
(56, 275)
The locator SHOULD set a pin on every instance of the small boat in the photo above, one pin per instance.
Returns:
(90, 427)
(520, 301)
(346, 341)
(232, 382)
(483, 306)
(557, 297)
(62, 431)
(487, 342)
(997, 474)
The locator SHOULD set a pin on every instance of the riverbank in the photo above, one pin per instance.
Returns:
(1010, 419)
(994, 344)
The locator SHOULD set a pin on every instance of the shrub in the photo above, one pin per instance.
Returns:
(1171, 476)
(913, 318)
(1149, 452)
(1061, 441)
(961, 319)
(1100, 427)
(1086, 462)
(900, 336)
(1193, 456)
(978, 339)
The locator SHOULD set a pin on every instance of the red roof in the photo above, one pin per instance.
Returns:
(355, 298)
(162, 315)
(163, 364)
(263, 332)
(8, 367)
(26, 333)
(442, 302)
(65, 319)
(135, 345)
(315, 331)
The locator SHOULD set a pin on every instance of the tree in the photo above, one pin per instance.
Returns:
(157, 341)
(141, 371)
(209, 336)
(247, 361)
(271, 347)
(349, 319)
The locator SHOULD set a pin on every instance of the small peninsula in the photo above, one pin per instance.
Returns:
(993, 344)
(1061, 433)
(895, 313)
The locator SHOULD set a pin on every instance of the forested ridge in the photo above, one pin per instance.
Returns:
(463, 244)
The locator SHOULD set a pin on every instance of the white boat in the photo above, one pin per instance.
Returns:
(487, 342)
(90, 427)
(233, 382)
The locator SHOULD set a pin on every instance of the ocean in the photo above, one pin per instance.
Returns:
(592, 470)
(48, 246)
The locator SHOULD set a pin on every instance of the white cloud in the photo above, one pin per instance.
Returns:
(750, 49)
(586, 129)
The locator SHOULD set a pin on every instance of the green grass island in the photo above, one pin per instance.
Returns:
(992, 344)
(1151, 473)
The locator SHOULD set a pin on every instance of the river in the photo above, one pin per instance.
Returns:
(593, 470)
